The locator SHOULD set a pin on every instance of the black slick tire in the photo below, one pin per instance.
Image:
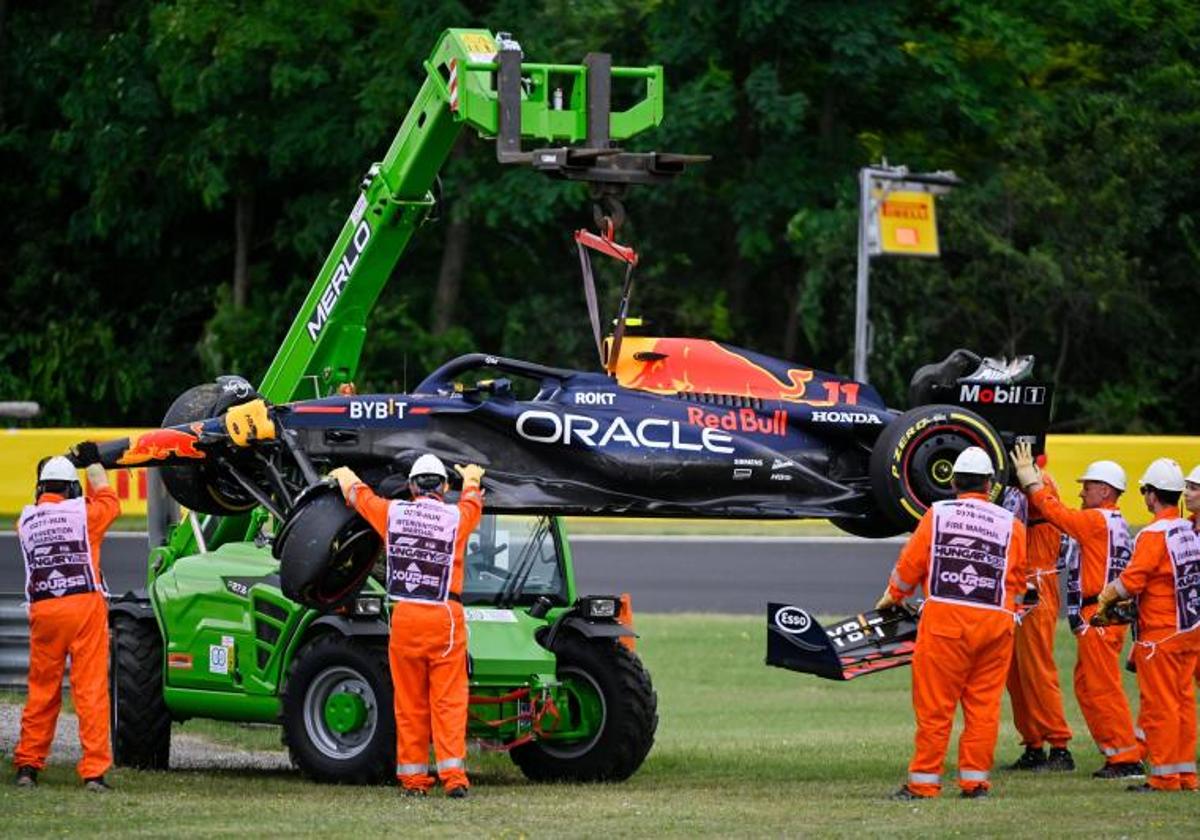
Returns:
(329, 664)
(138, 716)
(629, 719)
(911, 460)
(325, 550)
(201, 487)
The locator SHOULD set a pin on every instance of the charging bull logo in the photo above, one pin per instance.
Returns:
(688, 365)
(159, 445)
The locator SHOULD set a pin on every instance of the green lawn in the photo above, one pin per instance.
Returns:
(742, 750)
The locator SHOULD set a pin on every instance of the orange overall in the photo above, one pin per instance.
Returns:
(1166, 651)
(1033, 678)
(963, 647)
(1098, 687)
(428, 655)
(1195, 520)
(75, 625)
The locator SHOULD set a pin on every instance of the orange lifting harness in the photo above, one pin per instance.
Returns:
(539, 708)
(607, 245)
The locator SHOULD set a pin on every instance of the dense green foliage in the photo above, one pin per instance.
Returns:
(174, 172)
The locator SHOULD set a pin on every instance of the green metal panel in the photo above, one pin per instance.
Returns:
(187, 702)
(199, 611)
(504, 649)
(567, 562)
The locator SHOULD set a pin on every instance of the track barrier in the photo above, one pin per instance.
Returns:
(14, 641)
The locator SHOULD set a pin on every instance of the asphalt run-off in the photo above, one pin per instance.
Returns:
(829, 575)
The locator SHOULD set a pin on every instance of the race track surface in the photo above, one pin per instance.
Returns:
(831, 575)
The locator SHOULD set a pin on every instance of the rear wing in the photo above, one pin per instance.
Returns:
(1003, 392)
(873, 641)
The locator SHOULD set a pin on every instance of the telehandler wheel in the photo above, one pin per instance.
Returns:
(140, 722)
(339, 723)
(608, 685)
(912, 459)
(201, 487)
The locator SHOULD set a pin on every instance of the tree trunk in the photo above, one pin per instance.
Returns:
(103, 14)
(791, 329)
(826, 122)
(243, 224)
(3, 19)
(454, 255)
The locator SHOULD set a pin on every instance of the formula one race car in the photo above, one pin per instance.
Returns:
(682, 427)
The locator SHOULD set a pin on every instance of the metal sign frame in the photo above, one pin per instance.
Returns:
(888, 179)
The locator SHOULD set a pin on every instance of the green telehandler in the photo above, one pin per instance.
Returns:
(554, 679)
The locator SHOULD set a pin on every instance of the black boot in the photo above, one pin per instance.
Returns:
(1060, 761)
(26, 777)
(1034, 758)
(97, 785)
(906, 794)
(1121, 770)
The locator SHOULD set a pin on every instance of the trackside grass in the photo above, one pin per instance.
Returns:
(742, 750)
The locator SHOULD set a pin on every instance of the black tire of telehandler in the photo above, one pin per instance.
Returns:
(334, 654)
(138, 715)
(199, 487)
(630, 717)
(911, 460)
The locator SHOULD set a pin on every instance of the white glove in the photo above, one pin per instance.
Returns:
(1027, 471)
(96, 476)
(345, 478)
(471, 473)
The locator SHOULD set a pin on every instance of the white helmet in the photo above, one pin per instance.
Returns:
(58, 468)
(1163, 474)
(1194, 476)
(428, 464)
(1109, 472)
(973, 461)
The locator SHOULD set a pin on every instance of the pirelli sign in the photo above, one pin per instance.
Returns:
(906, 223)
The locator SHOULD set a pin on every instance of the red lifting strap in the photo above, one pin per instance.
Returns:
(606, 245)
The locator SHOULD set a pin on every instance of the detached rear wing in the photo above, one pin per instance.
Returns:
(873, 641)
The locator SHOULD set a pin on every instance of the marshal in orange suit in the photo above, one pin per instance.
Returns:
(969, 555)
(1033, 687)
(425, 540)
(1164, 576)
(60, 539)
(1104, 547)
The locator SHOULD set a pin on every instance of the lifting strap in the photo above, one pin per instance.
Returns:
(605, 244)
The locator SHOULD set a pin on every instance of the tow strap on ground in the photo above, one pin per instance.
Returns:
(607, 245)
